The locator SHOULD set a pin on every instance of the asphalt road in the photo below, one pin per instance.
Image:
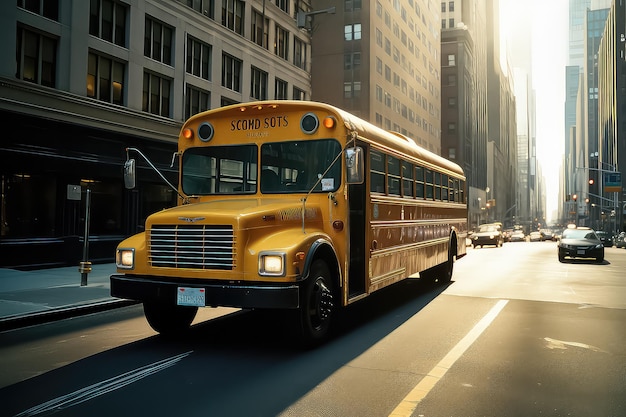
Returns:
(515, 334)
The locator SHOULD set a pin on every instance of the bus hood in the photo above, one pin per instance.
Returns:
(240, 213)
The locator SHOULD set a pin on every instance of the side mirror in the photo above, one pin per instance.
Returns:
(354, 165)
(129, 174)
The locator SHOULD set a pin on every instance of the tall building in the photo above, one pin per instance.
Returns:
(464, 97)
(83, 80)
(381, 61)
(594, 28)
(611, 119)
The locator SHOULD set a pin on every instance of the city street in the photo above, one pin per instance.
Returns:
(516, 333)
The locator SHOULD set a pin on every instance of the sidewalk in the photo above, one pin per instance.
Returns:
(33, 297)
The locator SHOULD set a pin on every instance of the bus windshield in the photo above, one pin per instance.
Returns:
(286, 167)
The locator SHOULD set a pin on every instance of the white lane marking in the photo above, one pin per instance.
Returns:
(562, 344)
(103, 387)
(406, 407)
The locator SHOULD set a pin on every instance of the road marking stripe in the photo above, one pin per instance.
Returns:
(100, 388)
(417, 394)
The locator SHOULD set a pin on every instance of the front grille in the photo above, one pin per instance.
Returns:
(192, 246)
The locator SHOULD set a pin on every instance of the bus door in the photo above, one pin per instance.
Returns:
(357, 194)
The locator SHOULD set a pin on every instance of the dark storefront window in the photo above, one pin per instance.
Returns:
(28, 205)
(105, 207)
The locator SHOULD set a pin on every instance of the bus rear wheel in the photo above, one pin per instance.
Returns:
(168, 319)
(317, 304)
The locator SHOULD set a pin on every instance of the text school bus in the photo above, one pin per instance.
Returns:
(291, 205)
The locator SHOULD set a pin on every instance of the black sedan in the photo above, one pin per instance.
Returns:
(581, 242)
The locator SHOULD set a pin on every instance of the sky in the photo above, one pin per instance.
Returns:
(549, 50)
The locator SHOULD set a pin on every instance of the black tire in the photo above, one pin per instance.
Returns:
(446, 269)
(169, 319)
(561, 258)
(317, 304)
(600, 259)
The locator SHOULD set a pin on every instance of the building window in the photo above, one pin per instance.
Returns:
(158, 41)
(45, 8)
(352, 32)
(352, 60)
(443, 6)
(36, 58)
(107, 20)
(206, 7)
(451, 153)
(196, 101)
(281, 89)
(232, 15)
(379, 38)
(388, 73)
(281, 45)
(451, 127)
(451, 60)
(260, 32)
(379, 93)
(298, 94)
(299, 53)
(451, 6)
(352, 89)
(258, 84)
(231, 73)
(225, 101)
(156, 94)
(198, 58)
(379, 66)
(452, 102)
(283, 5)
(451, 80)
(387, 46)
(105, 79)
(451, 23)
(352, 5)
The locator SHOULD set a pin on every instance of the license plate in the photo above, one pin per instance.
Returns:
(193, 297)
(581, 252)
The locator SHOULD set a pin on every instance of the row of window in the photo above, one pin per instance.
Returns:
(396, 177)
(37, 60)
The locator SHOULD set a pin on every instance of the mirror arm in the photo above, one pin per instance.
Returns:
(185, 199)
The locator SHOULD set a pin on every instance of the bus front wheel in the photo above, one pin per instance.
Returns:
(317, 304)
(168, 319)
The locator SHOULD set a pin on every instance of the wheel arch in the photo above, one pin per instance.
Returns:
(324, 250)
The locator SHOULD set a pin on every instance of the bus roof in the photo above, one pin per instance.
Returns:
(392, 142)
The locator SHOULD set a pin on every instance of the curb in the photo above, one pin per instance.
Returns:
(60, 313)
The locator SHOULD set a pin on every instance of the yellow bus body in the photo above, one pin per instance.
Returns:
(367, 242)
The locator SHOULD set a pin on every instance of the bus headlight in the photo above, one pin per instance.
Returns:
(125, 258)
(272, 264)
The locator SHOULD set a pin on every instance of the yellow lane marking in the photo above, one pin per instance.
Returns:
(417, 394)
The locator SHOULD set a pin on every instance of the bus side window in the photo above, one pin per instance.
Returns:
(377, 172)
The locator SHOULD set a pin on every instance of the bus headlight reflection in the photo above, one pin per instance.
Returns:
(272, 264)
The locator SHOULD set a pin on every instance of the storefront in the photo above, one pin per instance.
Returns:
(45, 171)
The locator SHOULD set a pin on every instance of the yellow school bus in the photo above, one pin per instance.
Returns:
(292, 205)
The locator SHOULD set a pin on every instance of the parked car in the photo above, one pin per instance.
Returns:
(606, 238)
(580, 242)
(518, 236)
(620, 240)
(535, 237)
(488, 234)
